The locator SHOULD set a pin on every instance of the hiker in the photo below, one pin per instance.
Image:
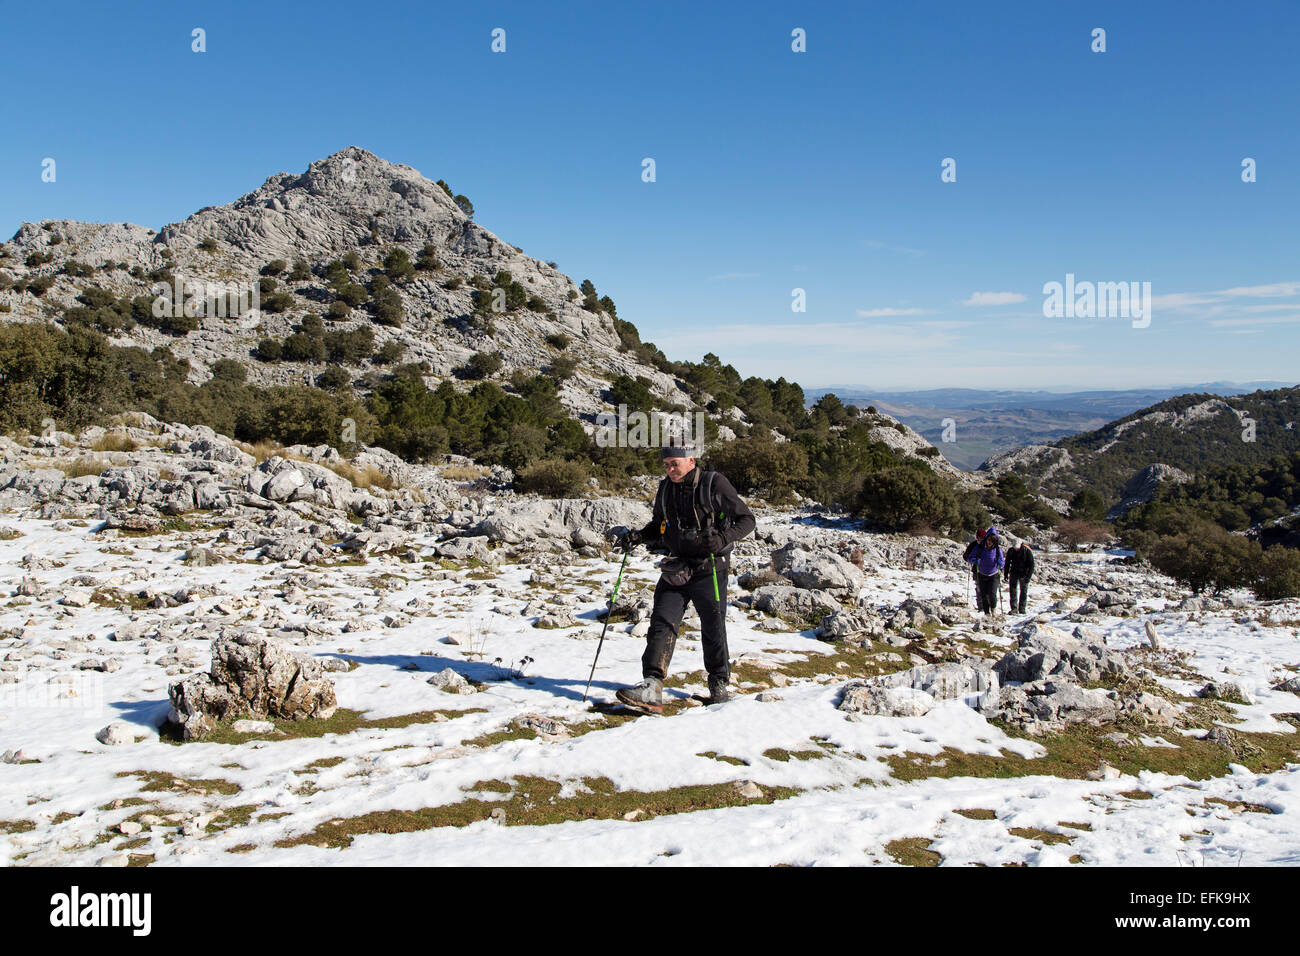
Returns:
(697, 517)
(1020, 566)
(987, 562)
(969, 555)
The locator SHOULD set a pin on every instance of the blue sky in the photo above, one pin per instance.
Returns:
(775, 170)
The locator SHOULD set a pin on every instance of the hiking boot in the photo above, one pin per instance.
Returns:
(649, 693)
(719, 693)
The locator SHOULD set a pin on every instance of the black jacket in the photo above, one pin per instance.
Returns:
(680, 506)
(1020, 562)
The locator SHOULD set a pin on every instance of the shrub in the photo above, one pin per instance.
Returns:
(38, 259)
(1278, 575)
(352, 293)
(338, 310)
(562, 368)
(269, 350)
(333, 378)
(301, 271)
(350, 346)
(427, 260)
(40, 285)
(397, 264)
(390, 352)
(77, 270)
(274, 267)
(229, 370)
(277, 302)
(904, 496)
(1205, 556)
(554, 478)
(558, 340)
(1073, 532)
(1088, 505)
(483, 365)
(761, 464)
(452, 284)
(301, 347)
(387, 307)
(352, 261)
(209, 244)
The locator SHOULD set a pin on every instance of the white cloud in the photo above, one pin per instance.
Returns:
(867, 340)
(1256, 320)
(1216, 298)
(877, 313)
(994, 298)
(1264, 291)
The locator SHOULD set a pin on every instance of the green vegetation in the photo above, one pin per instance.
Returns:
(535, 801)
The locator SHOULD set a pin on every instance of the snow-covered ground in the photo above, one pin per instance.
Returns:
(57, 804)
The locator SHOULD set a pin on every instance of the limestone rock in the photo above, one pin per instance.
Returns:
(1044, 651)
(255, 677)
(118, 733)
(821, 570)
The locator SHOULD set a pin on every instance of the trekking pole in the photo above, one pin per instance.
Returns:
(608, 614)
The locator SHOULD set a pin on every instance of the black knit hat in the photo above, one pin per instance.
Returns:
(677, 451)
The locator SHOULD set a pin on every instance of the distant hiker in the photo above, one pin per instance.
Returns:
(697, 517)
(1020, 567)
(987, 561)
(969, 553)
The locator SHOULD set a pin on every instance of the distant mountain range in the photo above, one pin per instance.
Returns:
(982, 423)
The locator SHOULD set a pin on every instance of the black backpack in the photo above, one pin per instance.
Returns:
(703, 502)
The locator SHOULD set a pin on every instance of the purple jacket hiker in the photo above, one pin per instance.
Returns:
(988, 560)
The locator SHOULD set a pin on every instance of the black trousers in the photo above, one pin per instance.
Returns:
(1022, 583)
(986, 591)
(666, 618)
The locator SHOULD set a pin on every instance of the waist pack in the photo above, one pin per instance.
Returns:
(675, 572)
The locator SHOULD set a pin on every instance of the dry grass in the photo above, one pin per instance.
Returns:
(913, 851)
(464, 472)
(262, 450)
(369, 477)
(83, 466)
(115, 441)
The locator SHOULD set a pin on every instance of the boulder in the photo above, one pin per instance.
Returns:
(870, 700)
(852, 625)
(119, 732)
(251, 676)
(1044, 651)
(450, 681)
(800, 605)
(821, 570)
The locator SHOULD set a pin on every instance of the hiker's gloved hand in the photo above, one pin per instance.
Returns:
(715, 541)
(629, 540)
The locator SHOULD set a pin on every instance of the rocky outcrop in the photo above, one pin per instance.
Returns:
(1144, 484)
(821, 570)
(1045, 651)
(251, 676)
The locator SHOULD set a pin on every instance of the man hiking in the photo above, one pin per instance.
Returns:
(987, 562)
(697, 517)
(1020, 567)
